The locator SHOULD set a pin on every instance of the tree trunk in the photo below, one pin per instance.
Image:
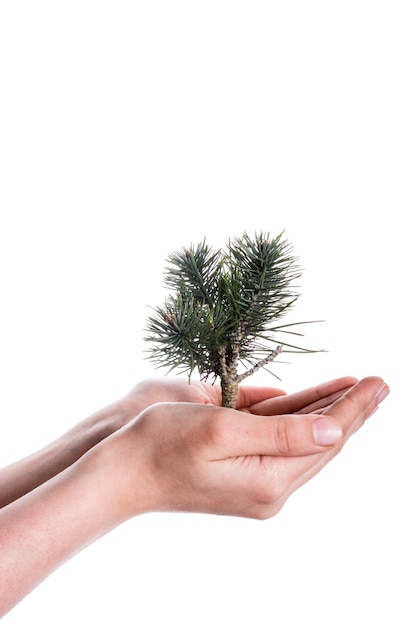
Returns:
(230, 388)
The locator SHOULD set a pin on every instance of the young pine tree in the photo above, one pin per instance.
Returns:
(225, 310)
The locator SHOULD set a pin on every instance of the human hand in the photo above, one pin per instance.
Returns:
(177, 456)
(188, 457)
(23, 476)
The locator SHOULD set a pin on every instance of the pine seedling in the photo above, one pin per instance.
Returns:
(224, 314)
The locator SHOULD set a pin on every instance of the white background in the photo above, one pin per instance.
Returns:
(129, 129)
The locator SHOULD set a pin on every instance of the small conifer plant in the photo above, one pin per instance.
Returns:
(224, 314)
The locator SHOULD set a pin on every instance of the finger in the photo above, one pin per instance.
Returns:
(358, 403)
(248, 396)
(323, 403)
(317, 396)
(350, 411)
(280, 436)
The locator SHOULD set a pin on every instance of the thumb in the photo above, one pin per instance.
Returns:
(283, 435)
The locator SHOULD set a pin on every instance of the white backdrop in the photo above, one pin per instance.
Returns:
(129, 129)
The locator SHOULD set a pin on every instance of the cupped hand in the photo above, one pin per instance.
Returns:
(183, 456)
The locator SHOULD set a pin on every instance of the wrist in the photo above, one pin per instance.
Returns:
(124, 479)
(95, 428)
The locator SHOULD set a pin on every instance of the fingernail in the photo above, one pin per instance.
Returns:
(326, 432)
(382, 393)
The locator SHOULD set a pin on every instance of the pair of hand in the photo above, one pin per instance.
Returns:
(169, 446)
(186, 453)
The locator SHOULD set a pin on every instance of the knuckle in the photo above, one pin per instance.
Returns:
(269, 494)
(284, 436)
(268, 507)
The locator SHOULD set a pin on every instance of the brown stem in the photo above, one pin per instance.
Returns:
(230, 389)
(229, 380)
(271, 356)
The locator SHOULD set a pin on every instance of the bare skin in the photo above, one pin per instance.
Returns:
(169, 446)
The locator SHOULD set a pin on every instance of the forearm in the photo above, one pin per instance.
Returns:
(44, 528)
(26, 474)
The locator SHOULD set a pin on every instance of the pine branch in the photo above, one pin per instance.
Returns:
(271, 357)
(224, 305)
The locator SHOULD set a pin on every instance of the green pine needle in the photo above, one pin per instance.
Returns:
(225, 309)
